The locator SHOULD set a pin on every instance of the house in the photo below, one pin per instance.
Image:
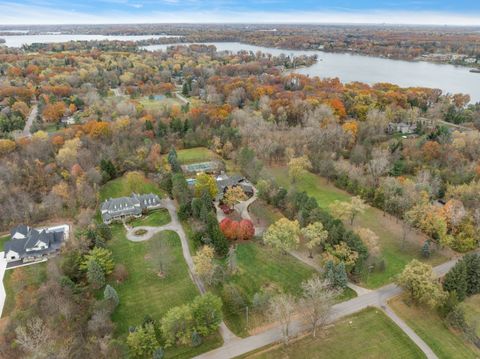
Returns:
(29, 244)
(401, 127)
(127, 207)
(224, 181)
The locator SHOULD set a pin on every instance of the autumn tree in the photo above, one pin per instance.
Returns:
(54, 112)
(205, 182)
(283, 235)
(101, 256)
(233, 195)
(418, 281)
(142, 342)
(348, 211)
(370, 239)
(297, 167)
(281, 309)
(205, 266)
(314, 235)
(246, 230)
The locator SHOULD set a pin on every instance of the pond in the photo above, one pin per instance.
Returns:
(371, 70)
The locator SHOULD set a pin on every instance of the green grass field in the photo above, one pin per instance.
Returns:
(146, 292)
(367, 334)
(166, 102)
(471, 306)
(196, 154)
(35, 275)
(119, 187)
(395, 254)
(430, 327)
(260, 267)
(158, 217)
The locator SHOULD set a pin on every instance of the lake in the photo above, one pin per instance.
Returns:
(352, 67)
(20, 40)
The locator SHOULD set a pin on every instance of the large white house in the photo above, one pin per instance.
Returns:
(127, 207)
(30, 244)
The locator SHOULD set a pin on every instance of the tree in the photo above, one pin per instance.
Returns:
(205, 267)
(283, 235)
(246, 230)
(314, 234)
(207, 313)
(177, 325)
(205, 183)
(348, 210)
(6, 146)
(102, 256)
(336, 275)
(33, 336)
(370, 239)
(281, 309)
(229, 228)
(297, 167)
(173, 160)
(95, 274)
(142, 342)
(180, 190)
(317, 300)
(472, 262)
(108, 170)
(233, 195)
(417, 279)
(232, 260)
(110, 294)
(456, 280)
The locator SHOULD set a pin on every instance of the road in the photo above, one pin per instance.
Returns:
(375, 298)
(227, 335)
(30, 119)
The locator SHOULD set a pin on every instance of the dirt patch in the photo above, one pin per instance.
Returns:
(140, 232)
(147, 257)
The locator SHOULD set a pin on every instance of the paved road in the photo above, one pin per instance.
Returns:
(30, 119)
(375, 298)
(175, 225)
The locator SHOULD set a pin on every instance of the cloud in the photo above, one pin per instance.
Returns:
(22, 14)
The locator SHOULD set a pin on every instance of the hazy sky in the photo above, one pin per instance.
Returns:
(460, 12)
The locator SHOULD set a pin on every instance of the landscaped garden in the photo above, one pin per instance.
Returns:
(433, 330)
(367, 334)
(395, 252)
(262, 271)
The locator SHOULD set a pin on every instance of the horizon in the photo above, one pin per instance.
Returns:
(364, 12)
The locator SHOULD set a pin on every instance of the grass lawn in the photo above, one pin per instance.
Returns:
(260, 267)
(120, 187)
(196, 154)
(471, 306)
(262, 214)
(367, 334)
(156, 218)
(165, 102)
(34, 275)
(430, 327)
(3, 240)
(388, 229)
(145, 292)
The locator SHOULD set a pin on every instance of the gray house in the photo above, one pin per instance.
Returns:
(224, 181)
(29, 244)
(121, 208)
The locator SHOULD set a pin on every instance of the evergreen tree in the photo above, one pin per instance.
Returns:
(426, 249)
(341, 279)
(173, 160)
(159, 353)
(472, 262)
(109, 171)
(110, 294)
(104, 231)
(95, 274)
(185, 89)
(219, 241)
(456, 280)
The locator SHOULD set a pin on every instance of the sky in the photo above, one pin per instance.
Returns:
(438, 12)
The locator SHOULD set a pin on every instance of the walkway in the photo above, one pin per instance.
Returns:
(175, 225)
(375, 298)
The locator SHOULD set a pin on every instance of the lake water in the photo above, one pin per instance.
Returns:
(349, 67)
(20, 40)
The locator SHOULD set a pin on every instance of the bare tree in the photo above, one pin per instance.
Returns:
(33, 336)
(317, 301)
(281, 309)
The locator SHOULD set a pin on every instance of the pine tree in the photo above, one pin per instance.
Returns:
(341, 279)
(173, 160)
(329, 272)
(426, 249)
(95, 274)
(110, 294)
(456, 280)
(472, 262)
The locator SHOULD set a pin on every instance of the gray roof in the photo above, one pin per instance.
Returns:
(128, 206)
(52, 239)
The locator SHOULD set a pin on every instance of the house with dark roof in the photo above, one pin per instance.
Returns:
(122, 208)
(29, 244)
(224, 181)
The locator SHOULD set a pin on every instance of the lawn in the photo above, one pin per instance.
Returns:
(166, 102)
(3, 240)
(389, 230)
(430, 327)
(260, 267)
(196, 154)
(120, 187)
(34, 275)
(367, 334)
(155, 218)
(471, 306)
(263, 214)
(145, 291)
